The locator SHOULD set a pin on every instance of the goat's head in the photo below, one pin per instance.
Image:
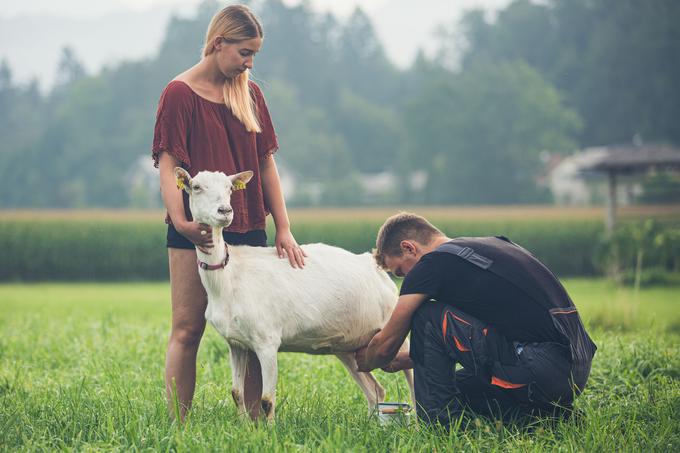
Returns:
(210, 194)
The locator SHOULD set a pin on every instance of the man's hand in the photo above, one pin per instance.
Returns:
(401, 362)
(360, 356)
(383, 347)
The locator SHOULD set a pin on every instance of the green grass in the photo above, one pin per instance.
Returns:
(81, 368)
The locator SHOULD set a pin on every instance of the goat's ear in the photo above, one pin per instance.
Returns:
(239, 180)
(183, 179)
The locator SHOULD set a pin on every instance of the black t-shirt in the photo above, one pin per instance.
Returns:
(482, 294)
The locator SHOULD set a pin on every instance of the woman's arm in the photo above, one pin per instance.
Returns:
(273, 197)
(172, 198)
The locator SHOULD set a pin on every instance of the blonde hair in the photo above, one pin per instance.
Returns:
(236, 23)
(400, 227)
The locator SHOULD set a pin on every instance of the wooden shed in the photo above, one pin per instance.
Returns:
(615, 161)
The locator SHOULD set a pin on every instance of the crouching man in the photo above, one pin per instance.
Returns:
(487, 305)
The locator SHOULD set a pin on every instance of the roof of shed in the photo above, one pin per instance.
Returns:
(627, 159)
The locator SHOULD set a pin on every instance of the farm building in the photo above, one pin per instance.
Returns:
(578, 179)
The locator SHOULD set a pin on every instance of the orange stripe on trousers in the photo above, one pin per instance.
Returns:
(461, 319)
(505, 384)
(459, 345)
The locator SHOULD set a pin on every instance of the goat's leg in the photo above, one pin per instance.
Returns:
(268, 363)
(372, 389)
(373, 383)
(408, 374)
(239, 361)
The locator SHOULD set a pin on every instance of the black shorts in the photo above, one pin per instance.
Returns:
(255, 238)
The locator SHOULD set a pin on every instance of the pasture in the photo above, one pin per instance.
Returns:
(81, 368)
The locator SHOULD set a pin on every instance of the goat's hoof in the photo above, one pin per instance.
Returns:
(240, 404)
(267, 408)
(236, 396)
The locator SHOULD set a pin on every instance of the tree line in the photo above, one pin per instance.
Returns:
(473, 120)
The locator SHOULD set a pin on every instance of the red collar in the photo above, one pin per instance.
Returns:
(213, 267)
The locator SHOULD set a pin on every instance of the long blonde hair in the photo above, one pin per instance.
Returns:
(236, 23)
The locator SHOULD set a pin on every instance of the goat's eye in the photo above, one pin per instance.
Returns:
(195, 187)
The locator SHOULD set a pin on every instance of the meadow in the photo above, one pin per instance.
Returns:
(85, 316)
(81, 369)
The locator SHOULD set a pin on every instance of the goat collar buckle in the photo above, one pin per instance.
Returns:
(213, 267)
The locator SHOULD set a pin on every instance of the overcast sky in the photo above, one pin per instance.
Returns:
(103, 32)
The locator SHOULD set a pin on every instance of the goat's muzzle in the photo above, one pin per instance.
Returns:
(224, 210)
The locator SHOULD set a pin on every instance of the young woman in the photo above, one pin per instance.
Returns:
(211, 117)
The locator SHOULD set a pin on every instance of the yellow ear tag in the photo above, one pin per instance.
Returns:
(180, 183)
(239, 185)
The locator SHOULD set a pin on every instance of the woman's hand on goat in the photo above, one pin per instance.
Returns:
(199, 234)
(286, 245)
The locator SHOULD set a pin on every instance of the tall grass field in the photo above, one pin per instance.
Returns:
(81, 369)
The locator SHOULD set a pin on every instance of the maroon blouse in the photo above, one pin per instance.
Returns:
(205, 135)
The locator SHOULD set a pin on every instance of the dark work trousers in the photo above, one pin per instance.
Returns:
(500, 379)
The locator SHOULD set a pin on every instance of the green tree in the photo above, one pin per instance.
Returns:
(69, 69)
(362, 63)
(22, 118)
(479, 133)
(311, 150)
(374, 134)
(616, 61)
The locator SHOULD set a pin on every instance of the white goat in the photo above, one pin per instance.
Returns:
(260, 303)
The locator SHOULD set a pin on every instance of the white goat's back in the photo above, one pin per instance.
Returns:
(336, 303)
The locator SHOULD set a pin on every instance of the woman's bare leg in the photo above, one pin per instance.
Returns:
(189, 301)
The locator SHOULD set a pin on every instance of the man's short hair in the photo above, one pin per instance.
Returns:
(399, 227)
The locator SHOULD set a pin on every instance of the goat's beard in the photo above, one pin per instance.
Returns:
(223, 222)
(215, 221)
